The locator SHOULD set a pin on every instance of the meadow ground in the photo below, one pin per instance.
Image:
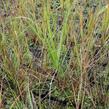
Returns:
(54, 54)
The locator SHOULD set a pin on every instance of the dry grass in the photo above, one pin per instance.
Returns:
(54, 54)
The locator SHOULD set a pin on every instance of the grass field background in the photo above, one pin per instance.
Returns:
(54, 54)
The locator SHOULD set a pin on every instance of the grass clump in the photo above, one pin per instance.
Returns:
(54, 54)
